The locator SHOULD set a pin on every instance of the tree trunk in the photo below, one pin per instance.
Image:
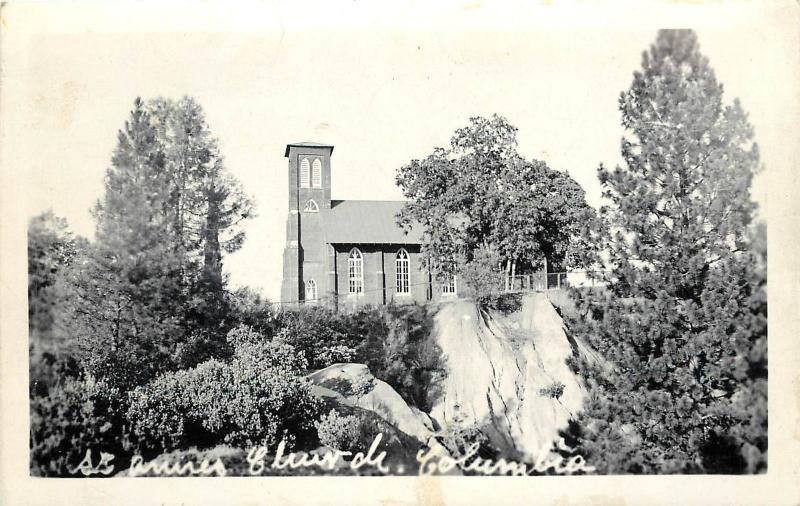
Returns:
(513, 273)
(546, 277)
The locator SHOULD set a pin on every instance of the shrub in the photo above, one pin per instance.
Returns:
(75, 416)
(480, 276)
(258, 398)
(554, 390)
(403, 354)
(49, 366)
(248, 308)
(504, 302)
(458, 437)
(319, 334)
(340, 432)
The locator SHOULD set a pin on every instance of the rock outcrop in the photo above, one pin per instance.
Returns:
(353, 385)
(508, 374)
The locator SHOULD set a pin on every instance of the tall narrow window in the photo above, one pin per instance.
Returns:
(311, 207)
(316, 173)
(401, 264)
(449, 285)
(305, 169)
(311, 290)
(355, 271)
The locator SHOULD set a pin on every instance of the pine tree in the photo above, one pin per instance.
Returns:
(150, 294)
(51, 248)
(208, 204)
(683, 320)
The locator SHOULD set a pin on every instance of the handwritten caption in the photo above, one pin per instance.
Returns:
(431, 461)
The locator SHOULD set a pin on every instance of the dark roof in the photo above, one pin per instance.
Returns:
(306, 144)
(367, 222)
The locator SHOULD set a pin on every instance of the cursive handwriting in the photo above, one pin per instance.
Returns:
(87, 469)
(294, 460)
(434, 460)
(165, 467)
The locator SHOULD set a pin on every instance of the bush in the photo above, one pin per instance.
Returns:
(319, 334)
(480, 277)
(258, 398)
(504, 302)
(458, 437)
(47, 367)
(403, 354)
(248, 308)
(555, 390)
(75, 416)
(339, 432)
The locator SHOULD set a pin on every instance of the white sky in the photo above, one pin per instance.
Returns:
(383, 86)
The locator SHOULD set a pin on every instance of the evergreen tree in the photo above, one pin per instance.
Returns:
(51, 248)
(207, 204)
(150, 294)
(683, 320)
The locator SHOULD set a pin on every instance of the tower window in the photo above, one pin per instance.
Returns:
(316, 173)
(311, 207)
(402, 264)
(311, 290)
(449, 285)
(305, 169)
(355, 271)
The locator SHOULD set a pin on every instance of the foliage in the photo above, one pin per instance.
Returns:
(258, 398)
(339, 432)
(480, 193)
(393, 341)
(148, 296)
(51, 248)
(506, 303)
(74, 416)
(402, 353)
(319, 334)
(246, 307)
(684, 318)
(481, 277)
(555, 390)
(458, 437)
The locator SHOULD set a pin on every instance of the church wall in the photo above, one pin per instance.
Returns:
(379, 276)
(314, 253)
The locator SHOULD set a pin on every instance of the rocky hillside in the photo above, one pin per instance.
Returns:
(506, 376)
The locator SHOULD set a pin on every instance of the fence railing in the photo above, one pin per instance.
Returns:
(541, 281)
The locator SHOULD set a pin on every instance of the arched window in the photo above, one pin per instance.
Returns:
(311, 290)
(305, 169)
(449, 285)
(311, 207)
(316, 173)
(402, 263)
(355, 271)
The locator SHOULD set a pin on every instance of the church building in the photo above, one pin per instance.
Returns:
(348, 253)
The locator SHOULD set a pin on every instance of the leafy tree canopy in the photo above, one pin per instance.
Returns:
(481, 194)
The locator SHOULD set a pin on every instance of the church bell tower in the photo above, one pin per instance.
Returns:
(304, 255)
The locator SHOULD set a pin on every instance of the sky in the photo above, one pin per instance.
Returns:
(383, 86)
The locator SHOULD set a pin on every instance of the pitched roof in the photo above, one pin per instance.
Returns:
(367, 222)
